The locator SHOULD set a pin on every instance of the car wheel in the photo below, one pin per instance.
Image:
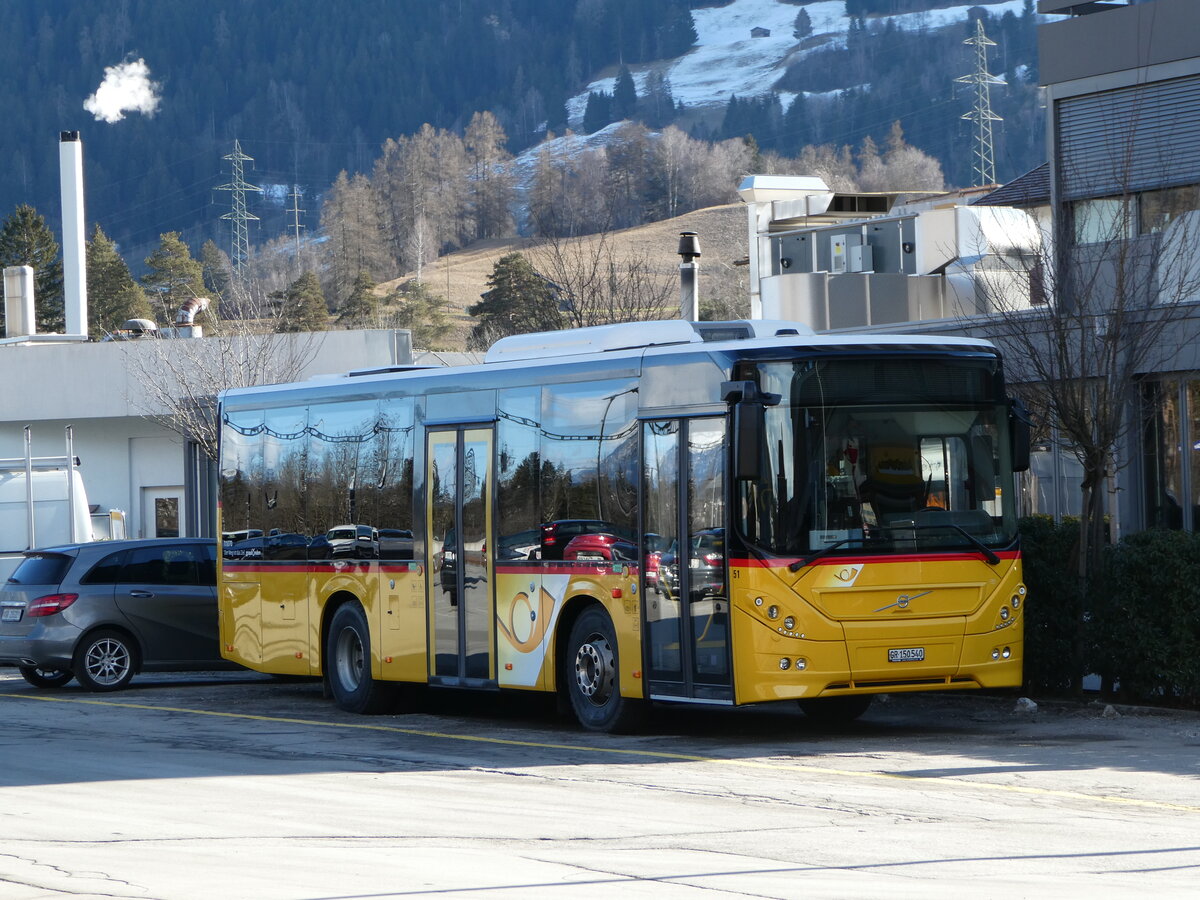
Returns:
(593, 678)
(836, 710)
(348, 664)
(105, 660)
(46, 678)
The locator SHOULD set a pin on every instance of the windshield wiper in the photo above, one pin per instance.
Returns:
(988, 553)
(824, 551)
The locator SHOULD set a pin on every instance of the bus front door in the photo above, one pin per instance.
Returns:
(684, 590)
(458, 529)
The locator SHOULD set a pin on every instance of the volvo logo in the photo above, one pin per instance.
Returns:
(903, 600)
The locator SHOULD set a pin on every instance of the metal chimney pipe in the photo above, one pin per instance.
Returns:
(71, 482)
(70, 159)
(31, 519)
(689, 276)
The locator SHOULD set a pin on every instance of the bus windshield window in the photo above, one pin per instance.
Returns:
(888, 455)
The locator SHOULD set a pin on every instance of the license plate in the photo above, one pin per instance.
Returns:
(11, 614)
(907, 654)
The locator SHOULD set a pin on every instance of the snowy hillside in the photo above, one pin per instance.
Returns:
(727, 60)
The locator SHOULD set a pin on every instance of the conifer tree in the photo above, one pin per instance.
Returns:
(303, 306)
(624, 102)
(797, 126)
(361, 305)
(113, 294)
(803, 27)
(218, 271)
(518, 301)
(174, 276)
(598, 112)
(423, 313)
(26, 241)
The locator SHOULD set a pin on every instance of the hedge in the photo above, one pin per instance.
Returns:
(1137, 625)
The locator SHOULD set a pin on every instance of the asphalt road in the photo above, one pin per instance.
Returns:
(237, 785)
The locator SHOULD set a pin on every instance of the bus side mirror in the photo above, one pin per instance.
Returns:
(1019, 430)
(749, 420)
(749, 426)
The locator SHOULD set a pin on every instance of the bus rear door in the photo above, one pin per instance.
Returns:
(458, 528)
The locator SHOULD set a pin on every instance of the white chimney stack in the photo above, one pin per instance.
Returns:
(70, 158)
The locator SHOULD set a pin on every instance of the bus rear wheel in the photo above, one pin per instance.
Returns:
(836, 710)
(348, 664)
(593, 678)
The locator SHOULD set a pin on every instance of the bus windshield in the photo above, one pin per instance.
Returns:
(891, 455)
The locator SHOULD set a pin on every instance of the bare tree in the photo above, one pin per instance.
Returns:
(599, 285)
(350, 218)
(422, 183)
(491, 185)
(178, 379)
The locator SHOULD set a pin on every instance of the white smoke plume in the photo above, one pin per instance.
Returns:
(126, 88)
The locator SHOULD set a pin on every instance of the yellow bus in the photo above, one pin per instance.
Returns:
(658, 512)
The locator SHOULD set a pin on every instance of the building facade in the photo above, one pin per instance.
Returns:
(129, 460)
(1123, 131)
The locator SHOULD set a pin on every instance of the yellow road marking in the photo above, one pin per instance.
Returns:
(624, 751)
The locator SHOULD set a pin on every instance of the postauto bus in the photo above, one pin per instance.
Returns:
(711, 513)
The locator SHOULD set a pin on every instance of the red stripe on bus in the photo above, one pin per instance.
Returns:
(863, 560)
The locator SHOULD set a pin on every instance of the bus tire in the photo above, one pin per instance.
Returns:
(348, 664)
(836, 710)
(593, 677)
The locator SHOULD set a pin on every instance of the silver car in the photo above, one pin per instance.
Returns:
(101, 612)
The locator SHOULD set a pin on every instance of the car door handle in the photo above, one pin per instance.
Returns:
(141, 594)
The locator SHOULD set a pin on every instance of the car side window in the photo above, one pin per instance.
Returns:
(208, 563)
(164, 565)
(107, 571)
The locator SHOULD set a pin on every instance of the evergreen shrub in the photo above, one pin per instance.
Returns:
(1140, 618)
(1052, 649)
(1146, 624)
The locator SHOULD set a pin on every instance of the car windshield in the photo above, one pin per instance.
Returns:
(887, 455)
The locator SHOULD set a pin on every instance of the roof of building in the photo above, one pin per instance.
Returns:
(1030, 189)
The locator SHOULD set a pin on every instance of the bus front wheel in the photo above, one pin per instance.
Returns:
(348, 664)
(593, 678)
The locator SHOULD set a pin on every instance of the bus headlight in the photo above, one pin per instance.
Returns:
(1006, 652)
(1016, 601)
(785, 663)
(772, 612)
(1004, 614)
(789, 623)
(995, 653)
(801, 664)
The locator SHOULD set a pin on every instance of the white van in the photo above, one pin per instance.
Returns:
(58, 514)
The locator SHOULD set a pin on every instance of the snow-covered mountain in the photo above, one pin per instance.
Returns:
(728, 61)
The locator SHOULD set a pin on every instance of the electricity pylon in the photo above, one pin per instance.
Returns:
(294, 210)
(240, 249)
(981, 113)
